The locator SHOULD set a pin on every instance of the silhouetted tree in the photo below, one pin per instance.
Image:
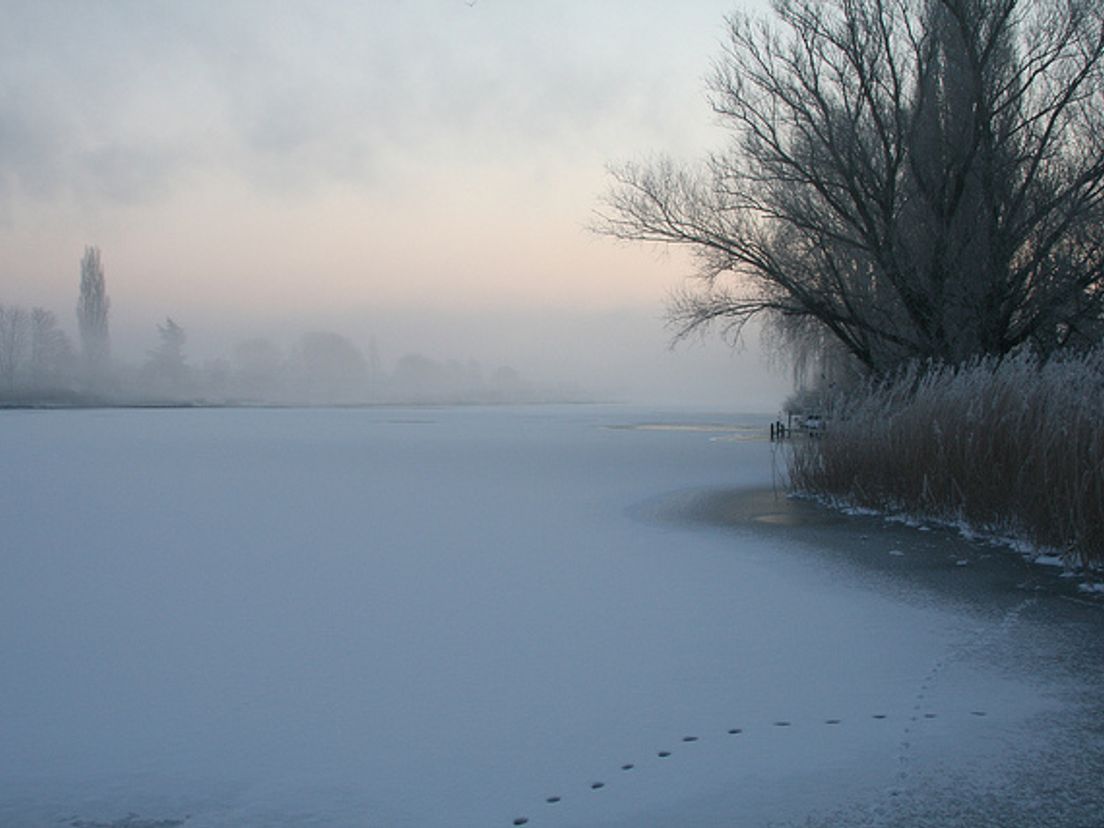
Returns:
(14, 341)
(35, 355)
(259, 368)
(910, 178)
(167, 367)
(332, 369)
(92, 317)
(51, 353)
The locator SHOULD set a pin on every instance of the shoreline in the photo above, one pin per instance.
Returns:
(906, 554)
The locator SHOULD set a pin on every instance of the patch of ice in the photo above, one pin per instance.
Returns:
(291, 617)
(905, 519)
(858, 511)
(1049, 560)
(993, 536)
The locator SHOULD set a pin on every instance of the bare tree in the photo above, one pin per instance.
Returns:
(912, 178)
(51, 354)
(14, 329)
(259, 369)
(167, 368)
(331, 368)
(92, 315)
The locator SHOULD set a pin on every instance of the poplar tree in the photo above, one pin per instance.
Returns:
(92, 317)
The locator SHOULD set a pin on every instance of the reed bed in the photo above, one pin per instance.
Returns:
(1011, 446)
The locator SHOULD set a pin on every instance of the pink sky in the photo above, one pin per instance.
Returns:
(421, 172)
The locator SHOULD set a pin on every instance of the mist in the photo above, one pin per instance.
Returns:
(621, 356)
(354, 479)
(417, 175)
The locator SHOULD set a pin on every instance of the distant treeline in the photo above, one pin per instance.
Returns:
(37, 358)
(39, 366)
(326, 368)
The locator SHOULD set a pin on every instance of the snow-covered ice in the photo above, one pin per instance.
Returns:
(446, 617)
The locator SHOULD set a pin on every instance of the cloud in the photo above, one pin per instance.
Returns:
(80, 106)
(46, 154)
(119, 101)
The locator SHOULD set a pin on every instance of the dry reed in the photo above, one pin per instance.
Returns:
(1013, 447)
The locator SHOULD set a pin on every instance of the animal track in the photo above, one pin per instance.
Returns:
(982, 640)
(905, 745)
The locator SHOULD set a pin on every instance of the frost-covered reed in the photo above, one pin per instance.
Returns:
(1012, 446)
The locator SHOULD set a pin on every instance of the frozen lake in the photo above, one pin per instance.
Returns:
(446, 617)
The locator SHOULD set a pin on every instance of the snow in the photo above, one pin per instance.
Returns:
(446, 616)
(1048, 560)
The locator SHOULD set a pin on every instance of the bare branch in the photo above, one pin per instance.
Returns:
(917, 178)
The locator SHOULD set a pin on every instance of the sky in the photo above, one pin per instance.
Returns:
(423, 173)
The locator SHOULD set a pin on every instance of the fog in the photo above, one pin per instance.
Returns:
(306, 534)
(417, 175)
(602, 357)
(621, 355)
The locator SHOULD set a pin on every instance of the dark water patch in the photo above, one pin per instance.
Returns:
(1018, 619)
(913, 562)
